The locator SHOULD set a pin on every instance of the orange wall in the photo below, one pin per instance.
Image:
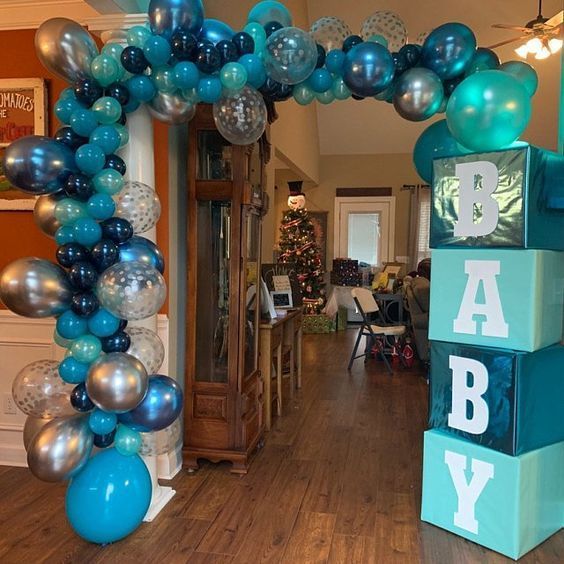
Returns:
(18, 234)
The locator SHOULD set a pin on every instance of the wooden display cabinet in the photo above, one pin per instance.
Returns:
(223, 405)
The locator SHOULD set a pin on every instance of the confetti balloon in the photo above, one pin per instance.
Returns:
(330, 32)
(140, 205)
(147, 347)
(161, 442)
(389, 26)
(241, 117)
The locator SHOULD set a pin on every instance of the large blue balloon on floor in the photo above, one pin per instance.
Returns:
(38, 165)
(166, 16)
(108, 499)
(216, 31)
(448, 50)
(368, 69)
(160, 407)
(140, 249)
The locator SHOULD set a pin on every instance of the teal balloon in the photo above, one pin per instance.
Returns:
(83, 122)
(114, 51)
(71, 326)
(320, 80)
(86, 231)
(483, 59)
(233, 76)
(72, 371)
(340, 89)
(488, 110)
(257, 32)
(108, 181)
(107, 138)
(142, 88)
(64, 108)
(108, 499)
(86, 348)
(68, 210)
(127, 441)
(67, 93)
(103, 324)
(163, 77)
(256, 73)
(100, 206)
(209, 89)
(65, 234)
(334, 61)
(191, 95)
(107, 110)
(90, 159)
(524, 73)
(101, 422)
(435, 142)
(157, 50)
(303, 94)
(123, 134)
(325, 97)
(270, 11)
(186, 75)
(61, 341)
(376, 38)
(137, 35)
(105, 69)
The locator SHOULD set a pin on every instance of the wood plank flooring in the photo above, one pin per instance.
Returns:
(338, 481)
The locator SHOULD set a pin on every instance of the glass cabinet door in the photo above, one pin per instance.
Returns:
(213, 308)
(214, 156)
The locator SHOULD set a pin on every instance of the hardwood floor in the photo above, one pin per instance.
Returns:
(338, 481)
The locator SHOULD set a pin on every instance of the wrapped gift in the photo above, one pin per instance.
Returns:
(318, 323)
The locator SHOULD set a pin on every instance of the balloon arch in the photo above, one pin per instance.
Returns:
(108, 273)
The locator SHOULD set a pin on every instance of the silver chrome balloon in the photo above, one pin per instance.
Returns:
(34, 287)
(171, 109)
(65, 48)
(44, 213)
(418, 94)
(117, 382)
(60, 449)
(32, 426)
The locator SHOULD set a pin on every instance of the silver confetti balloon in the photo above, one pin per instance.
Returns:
(161, 442)
(147, 347)
(171, 109)
(241, 117)
(387, 24)
(140, 205)
(35, 287)
(44, 213)
(418, 94)
(60, 449)
(117, 382)
(65, 48)
(330, 32)
(39, 391)
(32, 426)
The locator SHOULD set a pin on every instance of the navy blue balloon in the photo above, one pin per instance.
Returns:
(321, 56)
(88, 91)
(79, 186)
(368, 69)
(449, 86)
(400, 63)
(80, 400)
(104, 254)
(115, 162)
(68, 137)
(139, 249)
(448, 50)
(120, 341)
(119, 92)
(351, 41)
(83, 275)
(244, 43)
(159, 409)
(166, 16)
(227, 51)
(71, 253)
(84, 304)
(117, 229)
(208, 59)
(133, 60)
(38, 165)
(183, 45)
(412, 54)
(215, 31)
(104, 441)
(272, 27)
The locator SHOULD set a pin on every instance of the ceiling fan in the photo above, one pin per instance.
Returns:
(543, 36)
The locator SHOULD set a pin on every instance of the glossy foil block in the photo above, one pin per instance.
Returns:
(510, 198)
(505, 400)
(505, 503)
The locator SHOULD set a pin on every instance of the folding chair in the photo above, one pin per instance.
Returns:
(366, 304)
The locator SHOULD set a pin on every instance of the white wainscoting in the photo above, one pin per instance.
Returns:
(24, 340)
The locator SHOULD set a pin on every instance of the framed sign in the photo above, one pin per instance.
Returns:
(22, 112)
(282, 299)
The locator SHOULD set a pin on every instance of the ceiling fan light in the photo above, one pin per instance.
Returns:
(555, 45)
(544, 53)
(534, 45)
(522, 51)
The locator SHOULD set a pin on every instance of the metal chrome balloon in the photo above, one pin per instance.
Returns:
(60, 449)
(418, 94)
(368, 69)
(44, 213)
(32, 426)
(215, 31)
(117, 382)
(35, 287)
(142, 250)
(65, 48)
(38, 165)
(166, 16)
(171, 109)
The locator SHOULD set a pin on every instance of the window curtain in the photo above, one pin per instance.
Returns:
(419, 224)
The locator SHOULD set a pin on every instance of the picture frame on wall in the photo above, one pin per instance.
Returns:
(319, 220)
(23, 103)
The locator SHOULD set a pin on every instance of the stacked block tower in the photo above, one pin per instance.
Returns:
(494, 454)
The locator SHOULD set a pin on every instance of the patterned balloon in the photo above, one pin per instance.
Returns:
(389, 26)
(161, 442)
(131, 290)
(140, 205)
(147, 347)
(420, 39)
(330, 32)
(241, 117)
(39, 391)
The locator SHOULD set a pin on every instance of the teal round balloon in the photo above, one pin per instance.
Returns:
(86, 231)
(142, 88)
(157, 50)
(103, 324)
(186, 75)
(86, 348)
(65, 234)
(303, 94)
(164, 79)
(83, 122)
(107, 138)
(108, 499)
(101, 206)
(101, 422)
(488, 110)
(71, 326)
(123, 134)
(209, 89)
(114, 51)
(108, 181)
(233, 76)
(257, 32)
(325, 98)
(90, 159)
(105, 69)
(483, 59)
(107, 110)
(68, 210)
(137, 35)
(270, 11)
(72, 371)
(340, 89)
(64, 107)
(524, 73)
(127, 441)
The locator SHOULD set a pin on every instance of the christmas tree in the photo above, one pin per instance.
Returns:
(298, 247)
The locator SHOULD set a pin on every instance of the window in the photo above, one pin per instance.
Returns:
(423, 225)
(364, 234)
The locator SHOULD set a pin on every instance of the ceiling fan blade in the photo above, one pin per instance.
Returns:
(507, 41)
(514, 27)
(555, 20)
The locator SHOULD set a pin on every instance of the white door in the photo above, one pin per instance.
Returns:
(365, 229)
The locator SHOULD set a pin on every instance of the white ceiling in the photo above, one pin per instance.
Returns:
(372, 127)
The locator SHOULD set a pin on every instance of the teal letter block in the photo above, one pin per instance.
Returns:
(508, 504)
(505, 400)
(510, 198)
(510, 299)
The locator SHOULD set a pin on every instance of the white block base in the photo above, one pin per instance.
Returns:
(161, 496)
